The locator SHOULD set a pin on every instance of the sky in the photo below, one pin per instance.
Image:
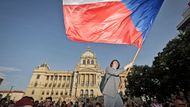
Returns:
(32, 32)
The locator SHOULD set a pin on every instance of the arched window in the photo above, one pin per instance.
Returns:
(47, 93)
(84, 62)
(86, 92)
(91, 93)
(61, 93)
(88, 61)
(92, 62)
(57, 93)
(81, 92)
(32, 92)
(65, 93)
(60, 77)
(52, 77)
(47, 78)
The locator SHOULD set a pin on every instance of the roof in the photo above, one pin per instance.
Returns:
(8, 91)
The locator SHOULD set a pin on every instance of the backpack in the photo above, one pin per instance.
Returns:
(103, 82)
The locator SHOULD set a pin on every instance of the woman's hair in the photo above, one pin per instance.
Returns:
(116, 61)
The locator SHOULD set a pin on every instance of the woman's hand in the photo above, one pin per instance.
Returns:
(130, 65)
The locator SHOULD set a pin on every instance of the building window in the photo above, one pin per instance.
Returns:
(52, 93)
(60, 77)
(50, 85)
(66, 93)
(92, 61)
(54, 84)
(38, 77)
(68, 78)
(59, 85)
(86, 92)
(52, 77)
(61, 93)
(91, 93)
(63, 85)
(56, 93)
(33, 92)
(47, 93)
(56, 77)
(81, 93)
(88, 61)
(84, 62)
(47, 78)
(82, 83)
(87, 83)
(64, 78)
(35, 85)
(45, 84)
(43, 93)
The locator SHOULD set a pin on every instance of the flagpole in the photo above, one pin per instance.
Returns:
(134, 58)
(133, 61)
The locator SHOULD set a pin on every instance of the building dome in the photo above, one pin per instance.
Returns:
(88, 53)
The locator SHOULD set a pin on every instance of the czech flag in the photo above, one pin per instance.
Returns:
(110, 21)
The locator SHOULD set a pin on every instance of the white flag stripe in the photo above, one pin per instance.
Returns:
(75, 2)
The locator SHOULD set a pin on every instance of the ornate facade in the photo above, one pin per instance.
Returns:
(69, 85)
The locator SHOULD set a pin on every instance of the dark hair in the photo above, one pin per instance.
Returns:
(116, 61)
(98, 104)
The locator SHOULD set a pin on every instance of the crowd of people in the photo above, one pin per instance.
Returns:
(128, 102)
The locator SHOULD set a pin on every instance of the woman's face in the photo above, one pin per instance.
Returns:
(115, 64)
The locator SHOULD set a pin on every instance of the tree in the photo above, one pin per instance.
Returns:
(168, 74)
(141, 81)
(172, 66)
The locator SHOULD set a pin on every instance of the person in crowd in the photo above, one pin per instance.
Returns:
(70, 104)
(81, 104)
(156, 103)
(3, 102)
(110, 92)
(98, 104)
(11, 103)
(180, 102)
(48, 102)
(63, 104)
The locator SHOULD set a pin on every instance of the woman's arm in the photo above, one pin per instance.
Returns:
(118, 71)
(122, 69)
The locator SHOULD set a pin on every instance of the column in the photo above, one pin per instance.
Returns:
(78, 79)
(95, 79)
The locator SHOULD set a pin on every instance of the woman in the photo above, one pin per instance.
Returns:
(110, 92)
